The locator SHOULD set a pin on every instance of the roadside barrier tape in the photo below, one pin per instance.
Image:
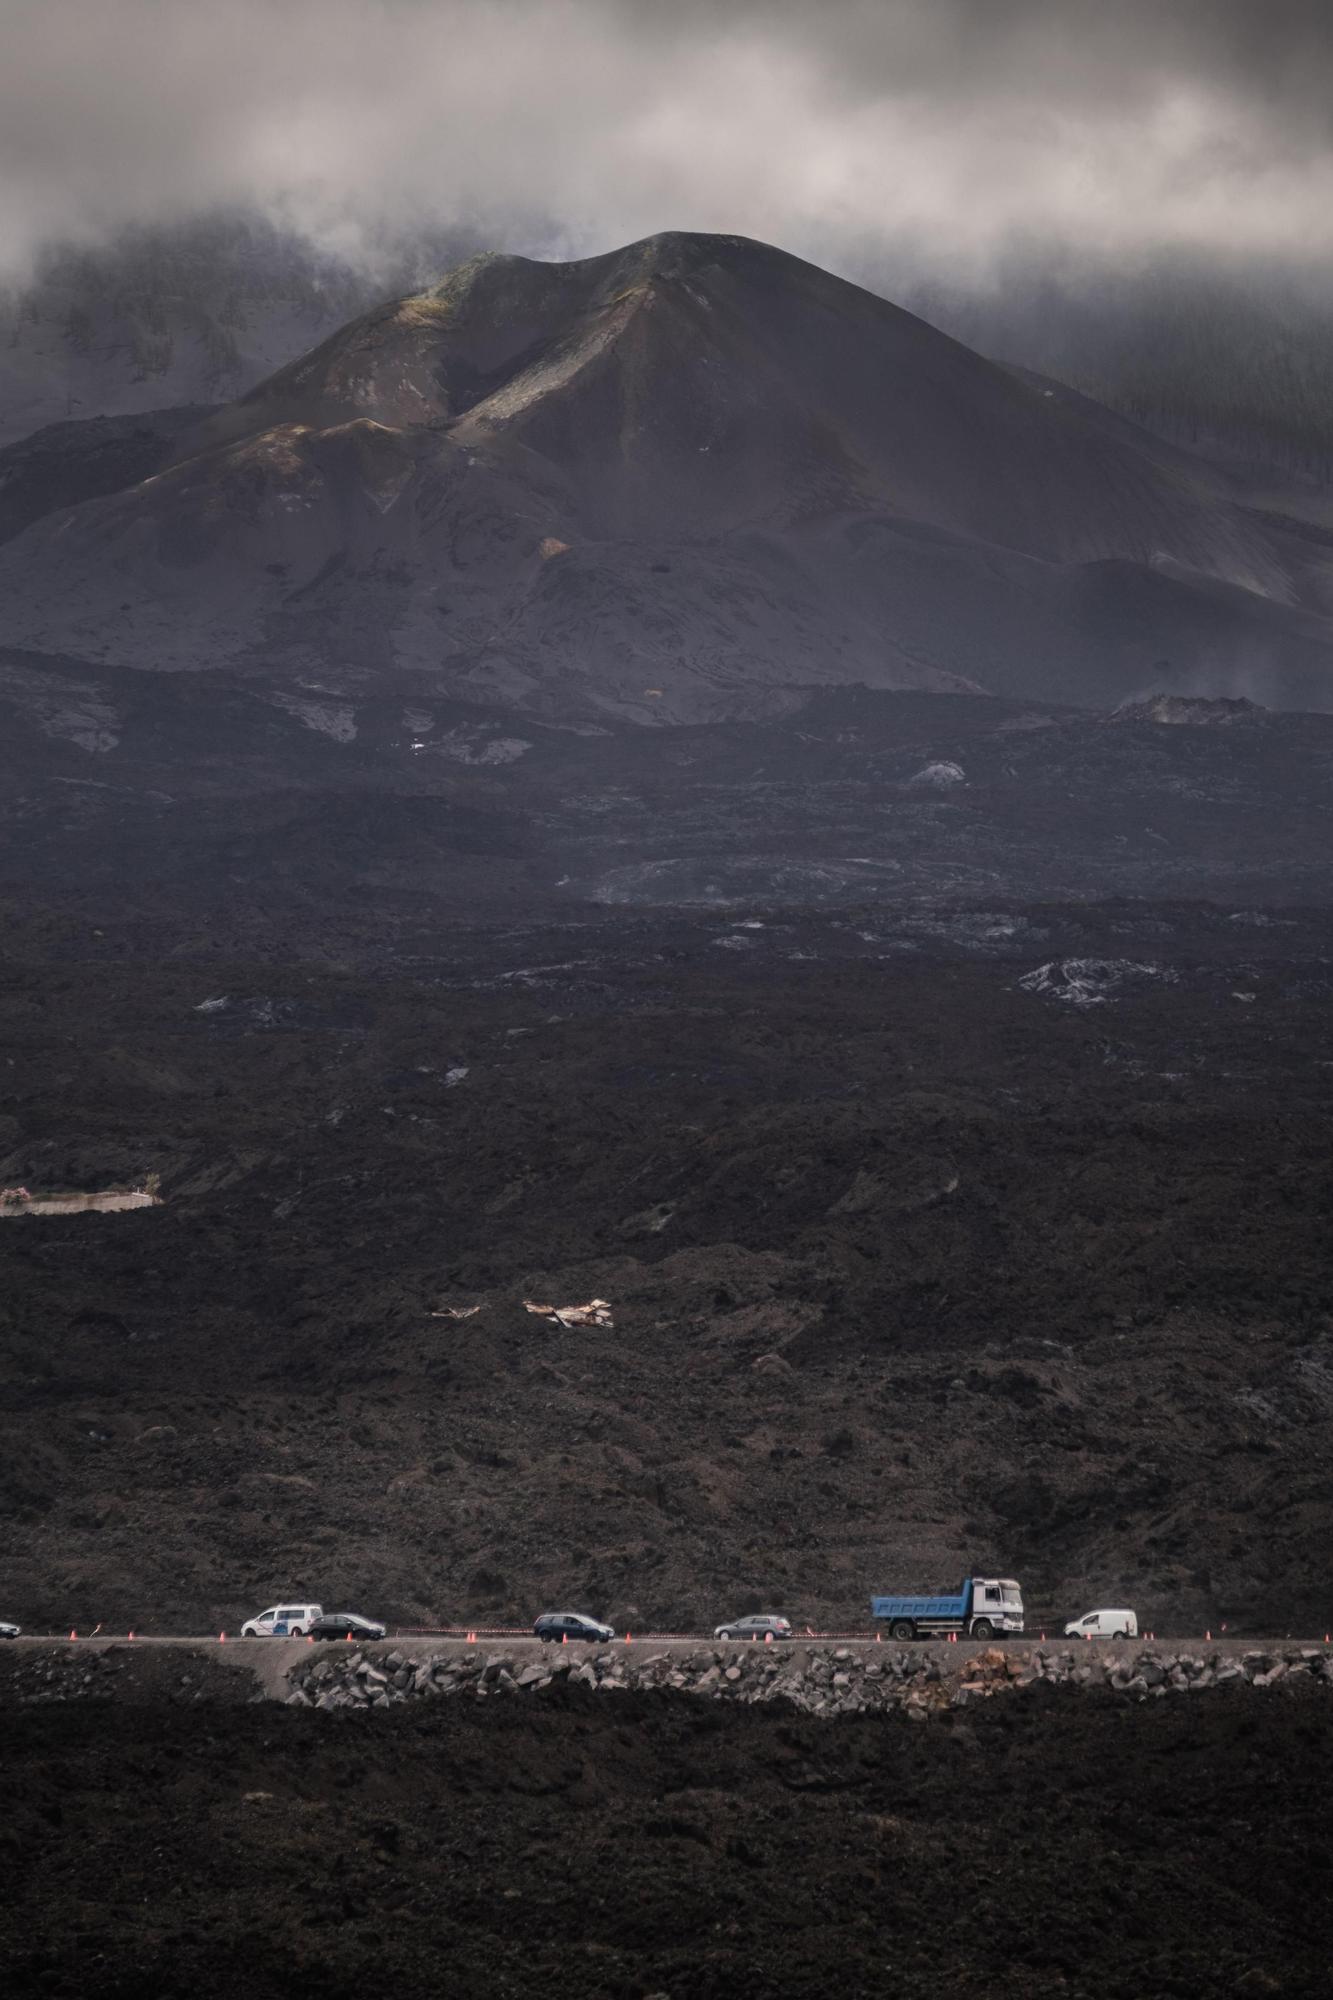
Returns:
(474, 1633)
(461, 1632)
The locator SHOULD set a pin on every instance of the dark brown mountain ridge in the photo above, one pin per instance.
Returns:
(664, 484)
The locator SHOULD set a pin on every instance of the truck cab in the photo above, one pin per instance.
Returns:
(997, 1604)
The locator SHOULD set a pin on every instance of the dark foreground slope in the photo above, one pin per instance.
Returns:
(666, 484)
(633, 1845)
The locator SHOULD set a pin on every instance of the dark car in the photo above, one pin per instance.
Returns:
(758, 1627)
(345, 1625)
(571, 1625)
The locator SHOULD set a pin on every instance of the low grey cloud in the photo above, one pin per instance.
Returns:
(839, 128)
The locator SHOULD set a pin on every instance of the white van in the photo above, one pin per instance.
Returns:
(284, 1621)
(1104, 1625)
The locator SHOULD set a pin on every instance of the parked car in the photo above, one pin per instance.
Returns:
(346, 1625)
(571, 1625)
(284, 1621)
(757, 1627)
(10, 1631)
(1104, 1625)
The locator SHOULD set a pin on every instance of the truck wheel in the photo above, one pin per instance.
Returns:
(902, 1628)
(1120, 1635)
(983, 1629)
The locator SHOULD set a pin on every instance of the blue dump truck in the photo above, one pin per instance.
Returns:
(983, 1607)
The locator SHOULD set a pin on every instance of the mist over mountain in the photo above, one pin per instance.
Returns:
(1229, 356)
(183, 312)
(1134, 200)
(1234, 358)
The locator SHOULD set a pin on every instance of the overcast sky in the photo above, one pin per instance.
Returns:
(831, 127)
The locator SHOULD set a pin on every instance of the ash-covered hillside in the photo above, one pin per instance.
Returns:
(936, 1087)
(665, 485)
(232, 809)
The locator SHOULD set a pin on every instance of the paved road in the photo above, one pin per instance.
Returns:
(442, 1644)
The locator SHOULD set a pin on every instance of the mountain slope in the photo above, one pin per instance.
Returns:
(193, 311)
(1231, 358)
(667, 483)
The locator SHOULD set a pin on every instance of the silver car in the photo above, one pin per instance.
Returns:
(758, 1627)
(10, 1631)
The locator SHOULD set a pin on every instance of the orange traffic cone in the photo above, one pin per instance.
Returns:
(472, 1638)
(131, 1635)
(877, 1638)
(768, 1638)
(221, 1637)
(349, 1638)
(73, 1635)
(564, 1638)
(629, 1638)
(1207, 1635)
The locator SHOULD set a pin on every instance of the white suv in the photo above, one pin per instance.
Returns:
(285, 1621)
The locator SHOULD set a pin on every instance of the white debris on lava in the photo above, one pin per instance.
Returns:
(328, 718)
(475, 744)
(1190, 711)
(597, 1312)
(1091, 982)
(939, 776)
(111, 1201)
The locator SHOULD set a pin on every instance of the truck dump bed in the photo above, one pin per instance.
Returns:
(920, 1607)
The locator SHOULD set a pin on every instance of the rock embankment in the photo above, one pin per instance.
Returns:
(826, 1682)
(123, 1673)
